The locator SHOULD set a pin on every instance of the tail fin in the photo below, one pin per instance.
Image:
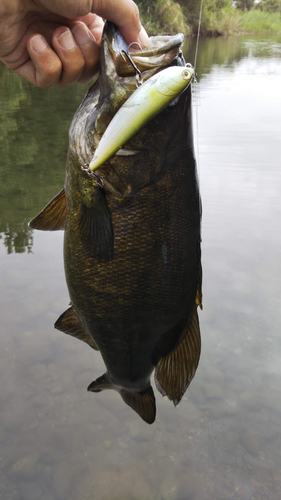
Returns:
(142, 402)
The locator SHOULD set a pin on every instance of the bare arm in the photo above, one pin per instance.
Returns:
(56, 42)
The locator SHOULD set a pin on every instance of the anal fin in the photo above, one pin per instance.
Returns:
(175, 371)
(69, 323)
(100, 384)
(142, 402)
(198, 299)
(52, 217)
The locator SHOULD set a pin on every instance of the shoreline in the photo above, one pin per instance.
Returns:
(217, 34)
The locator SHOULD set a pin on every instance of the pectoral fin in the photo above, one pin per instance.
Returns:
(52, 217)
(96, 226)
(69, 323)
(175, 371)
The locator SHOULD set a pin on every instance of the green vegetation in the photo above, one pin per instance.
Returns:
(269, 6)
(244, 4)
(162, 15)
(219, 17)
(257, 21)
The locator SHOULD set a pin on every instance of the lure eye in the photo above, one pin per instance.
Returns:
(186, 74)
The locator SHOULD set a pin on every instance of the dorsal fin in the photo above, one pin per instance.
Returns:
(175, 371)
(69, 323)
(142, 402)
(52, 217)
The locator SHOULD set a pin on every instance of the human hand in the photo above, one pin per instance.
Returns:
(56, 42)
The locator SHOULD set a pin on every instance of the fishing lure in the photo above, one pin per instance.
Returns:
(146, 102)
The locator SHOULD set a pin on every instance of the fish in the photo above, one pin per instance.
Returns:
(132, 240)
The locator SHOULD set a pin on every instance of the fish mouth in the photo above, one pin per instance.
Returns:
(161, 51)
(117, 81)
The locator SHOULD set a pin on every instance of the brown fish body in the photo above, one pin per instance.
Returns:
(132, 254)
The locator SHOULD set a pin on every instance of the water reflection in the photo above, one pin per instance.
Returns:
(33, 144)
(227, 52)
(223, 440)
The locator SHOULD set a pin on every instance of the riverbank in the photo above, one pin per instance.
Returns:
(170, 17)
(256, 21)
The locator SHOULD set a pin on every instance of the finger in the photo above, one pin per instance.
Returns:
(90, 51)
(126, 16)
(94, 23)
(44, 68)
(70, 56)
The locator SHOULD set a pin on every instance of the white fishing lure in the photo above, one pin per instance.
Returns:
(146, 102)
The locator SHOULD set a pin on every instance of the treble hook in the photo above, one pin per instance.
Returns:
(93, 175)
(138, 72)
(134, 43)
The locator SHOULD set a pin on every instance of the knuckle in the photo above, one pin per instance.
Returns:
(72, 74)
(78, 67)
(50, 76)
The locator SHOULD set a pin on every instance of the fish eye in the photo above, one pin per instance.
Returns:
(186, 74)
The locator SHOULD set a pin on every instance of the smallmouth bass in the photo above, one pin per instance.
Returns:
(132, 234)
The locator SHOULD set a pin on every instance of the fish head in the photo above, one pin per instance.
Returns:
(147, 154)
(116, 82)
(121, 68)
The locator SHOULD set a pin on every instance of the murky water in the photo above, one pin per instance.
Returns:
(223, 441)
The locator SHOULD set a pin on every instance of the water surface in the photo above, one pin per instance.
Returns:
(223, 441)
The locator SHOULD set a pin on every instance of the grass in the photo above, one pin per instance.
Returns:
(256, 21)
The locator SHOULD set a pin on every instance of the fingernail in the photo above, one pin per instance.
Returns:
(143, 38)
(81, 34)
(66, 40)
(38, 44)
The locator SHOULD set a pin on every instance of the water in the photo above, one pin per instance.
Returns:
(223, 441)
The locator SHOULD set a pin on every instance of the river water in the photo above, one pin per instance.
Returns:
(223, 441)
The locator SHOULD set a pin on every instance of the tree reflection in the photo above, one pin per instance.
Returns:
(33, 144)
(17, 239)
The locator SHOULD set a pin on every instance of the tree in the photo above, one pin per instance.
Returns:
(269, 5)
(244, 4)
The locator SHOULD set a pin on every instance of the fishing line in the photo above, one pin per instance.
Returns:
(197, 87)
(198, 34)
